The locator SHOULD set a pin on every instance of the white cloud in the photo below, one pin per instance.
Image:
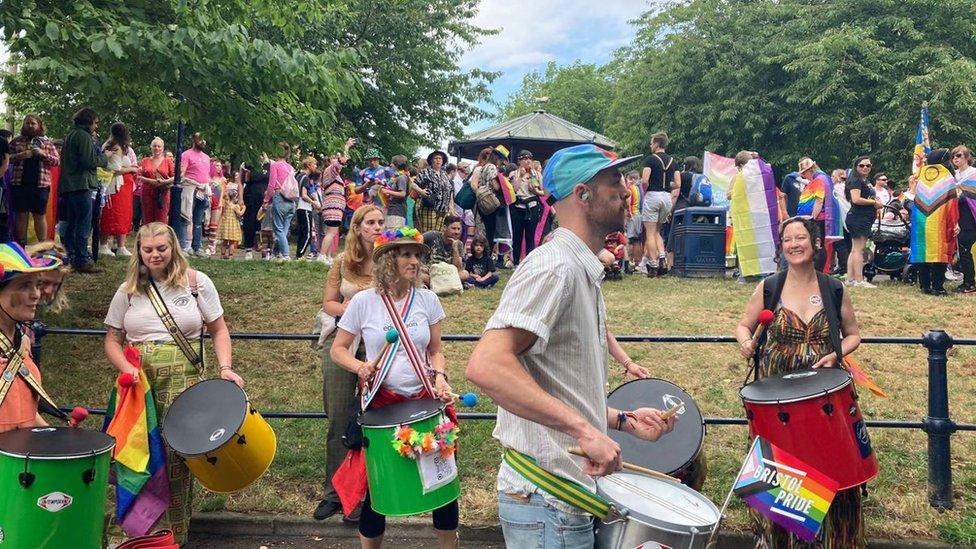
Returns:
(535, 32)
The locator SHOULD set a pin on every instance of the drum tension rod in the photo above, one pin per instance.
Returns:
(828, 408)
(212, 460)
(784, 416)
(88, 476)
(241, 439)
(26, 478)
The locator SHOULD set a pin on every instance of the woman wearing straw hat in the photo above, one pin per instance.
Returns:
(396, 276)
(20, 293)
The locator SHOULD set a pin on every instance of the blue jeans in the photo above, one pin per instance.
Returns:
(200, 207)
(282, 210)
(534, 524)
(176, 218)
(78, 225)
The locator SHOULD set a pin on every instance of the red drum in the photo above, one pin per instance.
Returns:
(813, 414)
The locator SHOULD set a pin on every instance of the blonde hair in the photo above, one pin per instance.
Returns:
(137, 276)
(355, 254)
(50, 248)
(309, 162)
(385, 275)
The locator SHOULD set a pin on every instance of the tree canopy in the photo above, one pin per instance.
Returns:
(829, 79)
(579, 93)
(247, 73)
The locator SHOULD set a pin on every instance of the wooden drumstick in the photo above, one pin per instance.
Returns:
(668, 414)
(577, 451)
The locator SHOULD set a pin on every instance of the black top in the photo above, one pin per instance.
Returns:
(205, 417)
(54, 442)
(867, 191)
(796, 385)
(258, 184)
(967, 222)
(662, 172)
(409, 411)
(676, 449)
(479, 266)
(4, 149)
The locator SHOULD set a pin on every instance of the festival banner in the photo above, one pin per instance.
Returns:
(784, 489)
(922, 143)
(720, 171)
(755, 218)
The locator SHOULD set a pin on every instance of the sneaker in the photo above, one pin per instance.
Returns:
(651, 270)
(248, 255)
(123, 252)
(968, 289)
(952, 275)
(939, 293)
(662, 269)
(326, 509)
(106, 251)
(325, 259)
(211, 250)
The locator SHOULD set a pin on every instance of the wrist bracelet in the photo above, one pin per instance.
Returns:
(621, 420)
(440, 373)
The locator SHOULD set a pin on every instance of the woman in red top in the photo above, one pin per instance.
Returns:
(156, 173)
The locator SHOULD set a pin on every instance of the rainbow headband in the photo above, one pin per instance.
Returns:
(15, 261)
(403, 235)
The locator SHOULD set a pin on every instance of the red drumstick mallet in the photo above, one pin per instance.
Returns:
(78, 414)
(765, 319)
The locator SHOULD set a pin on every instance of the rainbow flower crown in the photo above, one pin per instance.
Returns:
(403, 233)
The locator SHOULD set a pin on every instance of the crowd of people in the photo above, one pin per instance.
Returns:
(413, 232)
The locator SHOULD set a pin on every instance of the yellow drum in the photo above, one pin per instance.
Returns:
(223, 439)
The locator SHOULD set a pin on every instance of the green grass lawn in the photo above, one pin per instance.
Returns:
(259, 296)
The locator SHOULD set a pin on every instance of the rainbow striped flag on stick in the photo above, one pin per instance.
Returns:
(508, 190)
(922, 143)
(784, 489)
(141, 484)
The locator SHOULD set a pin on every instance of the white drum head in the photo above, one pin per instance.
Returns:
(657, 501)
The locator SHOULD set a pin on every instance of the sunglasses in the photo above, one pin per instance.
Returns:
(524, 157)
(864, 165)
(959, 155)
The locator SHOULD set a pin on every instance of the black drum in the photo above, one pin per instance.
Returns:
(679, 453)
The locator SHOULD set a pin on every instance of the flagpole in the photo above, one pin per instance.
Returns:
(728, 497)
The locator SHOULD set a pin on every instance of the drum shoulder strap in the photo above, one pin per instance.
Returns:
(832, 295)
(565, 490)
(159, 304)
(15, 367)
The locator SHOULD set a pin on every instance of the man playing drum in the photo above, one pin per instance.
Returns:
(543, 359)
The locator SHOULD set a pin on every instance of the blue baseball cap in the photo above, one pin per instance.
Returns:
(577, 164)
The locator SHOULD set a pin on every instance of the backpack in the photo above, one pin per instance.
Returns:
(289, 188)
(832, 294)
(701, 191)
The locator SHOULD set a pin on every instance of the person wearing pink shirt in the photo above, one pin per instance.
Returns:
(195, 166)
(282, 208)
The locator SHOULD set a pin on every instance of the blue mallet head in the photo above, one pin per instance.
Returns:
(469, 399)
(392, 336)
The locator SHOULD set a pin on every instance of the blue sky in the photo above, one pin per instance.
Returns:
(534, 32)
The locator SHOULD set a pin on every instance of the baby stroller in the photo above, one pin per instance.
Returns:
(890, 235)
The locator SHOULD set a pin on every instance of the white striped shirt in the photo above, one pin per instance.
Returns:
(555, 294)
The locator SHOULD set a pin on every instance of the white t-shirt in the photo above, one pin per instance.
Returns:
(367, 316)
(136, 316)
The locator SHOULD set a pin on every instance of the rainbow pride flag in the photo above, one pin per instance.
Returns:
(636, 199)
(141, 483)
(784, 489)
(815, 189)
(508, 190)
(755, 218)
(720, 171)
(966, 179)
(935, 213)
(837, 208)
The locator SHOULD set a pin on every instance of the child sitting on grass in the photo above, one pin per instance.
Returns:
(481, 271)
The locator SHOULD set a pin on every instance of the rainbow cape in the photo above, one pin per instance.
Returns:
(784, 489)
(966, 179)
(508, 190)
(755, 218)
(720, 171)
(935, 213)
(636, 199)
(815, 189)
(141, 484)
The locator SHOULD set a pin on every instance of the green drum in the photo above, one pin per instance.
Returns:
(396, 482)
(53, 483)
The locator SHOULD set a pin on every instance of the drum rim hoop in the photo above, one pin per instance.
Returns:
(440, 410)
(96, 453)
(797, 399)
(658, 523)
(237, 430)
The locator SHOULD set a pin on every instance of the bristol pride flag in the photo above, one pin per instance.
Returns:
(784, 489)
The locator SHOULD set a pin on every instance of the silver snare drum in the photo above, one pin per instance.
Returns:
(655, 511)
